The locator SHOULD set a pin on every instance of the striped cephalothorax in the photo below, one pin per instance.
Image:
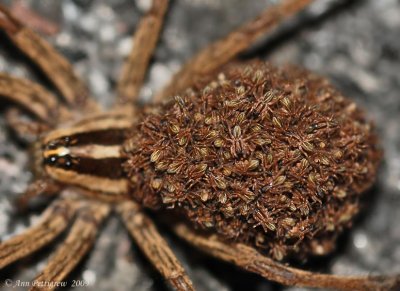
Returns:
(88, 156)
(271, 162)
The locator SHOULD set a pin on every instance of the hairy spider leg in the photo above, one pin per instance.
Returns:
(79, 241)
(144, 42)
(40, 187)
(21, 126)
(53, 222)
(219, 53)
(57, 69)
(251, 260)
(34, 98)
(146, 235)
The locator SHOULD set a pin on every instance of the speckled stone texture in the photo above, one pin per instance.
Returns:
(355, 44)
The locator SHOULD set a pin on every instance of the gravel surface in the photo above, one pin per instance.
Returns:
(356, 44)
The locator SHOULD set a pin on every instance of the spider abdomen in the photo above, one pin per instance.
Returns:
(272, 157)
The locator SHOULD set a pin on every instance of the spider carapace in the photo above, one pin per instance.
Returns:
(269, 161)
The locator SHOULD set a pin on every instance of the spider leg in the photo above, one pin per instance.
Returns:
(144, 43)
(53, 221)
(153, 245)
(251, 260)
(22, 126)
(78, 242)
(40, 187)
(56, 67)
(32, 97)
(215, 55)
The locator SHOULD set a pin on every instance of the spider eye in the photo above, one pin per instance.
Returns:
(59, 161)
(51, 146)
(51, 160)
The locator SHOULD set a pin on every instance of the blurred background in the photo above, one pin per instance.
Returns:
(355, 44)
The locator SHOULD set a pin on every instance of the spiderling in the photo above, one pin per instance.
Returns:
(272, 157)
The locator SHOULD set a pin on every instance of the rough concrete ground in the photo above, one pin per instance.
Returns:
(356, 44)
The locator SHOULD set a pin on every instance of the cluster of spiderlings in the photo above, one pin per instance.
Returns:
(272, 157)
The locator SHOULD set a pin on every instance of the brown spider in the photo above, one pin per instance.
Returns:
(73, 133)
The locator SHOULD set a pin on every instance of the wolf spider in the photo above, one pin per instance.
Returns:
(77, 126)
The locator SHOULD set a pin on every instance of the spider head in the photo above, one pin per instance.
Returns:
(48, 154)
(86, 158)
(57, 153)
